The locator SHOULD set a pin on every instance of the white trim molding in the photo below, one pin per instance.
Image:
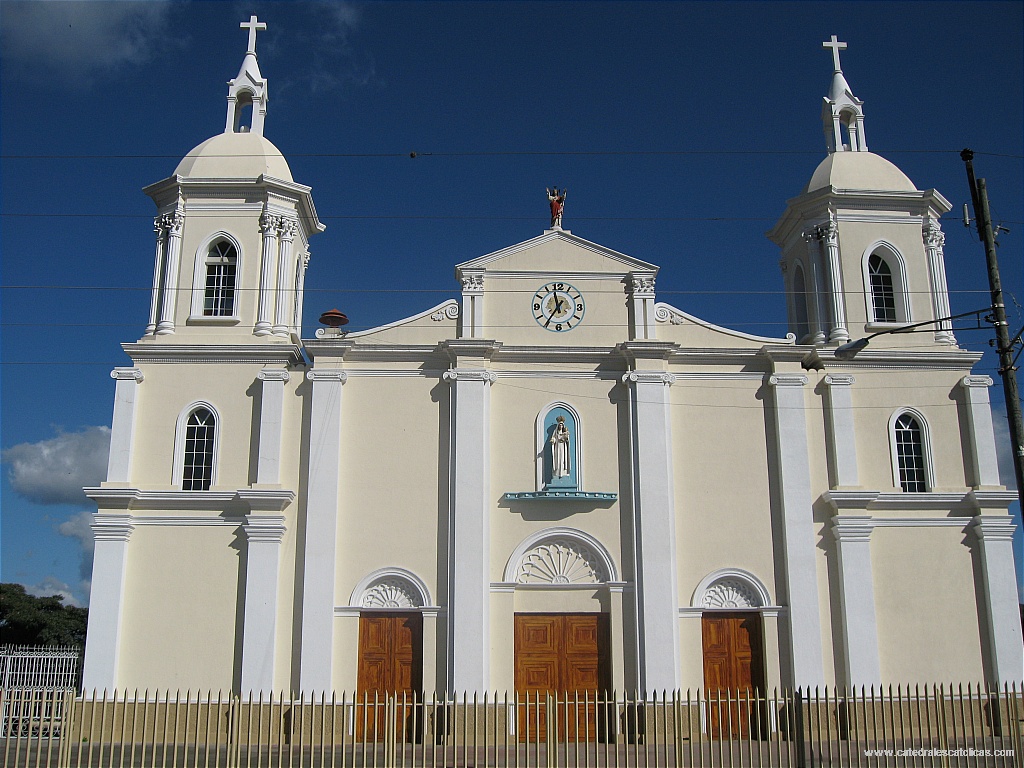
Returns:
(390, 588)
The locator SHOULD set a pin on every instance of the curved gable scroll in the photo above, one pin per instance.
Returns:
(560, 556)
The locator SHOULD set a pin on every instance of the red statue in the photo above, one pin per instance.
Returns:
(556, 200)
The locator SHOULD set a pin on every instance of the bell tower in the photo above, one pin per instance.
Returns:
(232, 231)
(862, 245)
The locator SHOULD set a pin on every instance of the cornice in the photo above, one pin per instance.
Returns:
(630, 264)
(135, 498)
(840, 500)
(145, 352)
(940, 360)
(469, 348)
(637, 351)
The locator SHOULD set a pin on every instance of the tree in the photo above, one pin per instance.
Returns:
(29, 620)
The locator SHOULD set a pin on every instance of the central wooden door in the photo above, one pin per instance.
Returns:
(564, 654)
(390, 663)
(733, 673)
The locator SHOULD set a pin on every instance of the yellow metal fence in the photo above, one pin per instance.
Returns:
(916, 726)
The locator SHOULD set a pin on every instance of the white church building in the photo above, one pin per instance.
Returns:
(596, 490)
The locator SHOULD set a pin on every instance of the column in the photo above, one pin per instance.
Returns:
(106, 601)
(999, 591)
(259, 629)
(158, 274)
(794, 481)
(469, 531)
(980, 435)
(269, 225)
(834, 270)
(934, 239)
(284, 273)
(653, 503)
(169, 301)
(819, 321)
(317, 643)
(122, 426)
(642, 298)
(840, 433)
(268, 466)
(857, 600)
(472, 306)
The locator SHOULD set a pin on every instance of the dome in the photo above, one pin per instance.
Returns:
(859, 170)
(235, 156)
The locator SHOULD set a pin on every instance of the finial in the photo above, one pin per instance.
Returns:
(253, 26)
(834, 44)
(556, 200)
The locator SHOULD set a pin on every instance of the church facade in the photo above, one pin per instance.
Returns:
(597, 490)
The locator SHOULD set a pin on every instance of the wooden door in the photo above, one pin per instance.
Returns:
(733, 673)
(564, 654)
(390, 663)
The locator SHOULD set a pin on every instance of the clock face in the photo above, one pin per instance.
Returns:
(558, 306)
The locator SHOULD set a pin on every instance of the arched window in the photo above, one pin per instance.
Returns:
(197, 468)
(221, 267)
(883, 294)
(908, 442)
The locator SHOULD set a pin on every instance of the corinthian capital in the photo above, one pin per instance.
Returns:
(270, 224)
(931, 232)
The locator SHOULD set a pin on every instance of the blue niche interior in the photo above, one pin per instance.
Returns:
(569, 482)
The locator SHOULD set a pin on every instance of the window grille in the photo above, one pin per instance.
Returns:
(219, 297)
(883, 296)
(198, 466)
(910, 454)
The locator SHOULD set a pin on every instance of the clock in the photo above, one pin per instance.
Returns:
(558, 306)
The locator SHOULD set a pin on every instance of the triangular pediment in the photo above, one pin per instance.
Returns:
(559, 251)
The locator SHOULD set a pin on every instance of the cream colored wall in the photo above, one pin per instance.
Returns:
(181, 607)
(508, 310)
(854, 239)
(168, 390)
(515, 405)
(878, 393)
(928, 624)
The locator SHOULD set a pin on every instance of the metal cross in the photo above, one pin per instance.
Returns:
(834, 44)
(253, 25)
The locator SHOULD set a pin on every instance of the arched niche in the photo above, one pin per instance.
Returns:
(560, 557)
(730, 589)
(390, 589)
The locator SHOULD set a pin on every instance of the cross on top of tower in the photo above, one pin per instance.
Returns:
(253, 26)
(834, 44)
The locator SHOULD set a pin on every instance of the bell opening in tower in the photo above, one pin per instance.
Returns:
(243, 113)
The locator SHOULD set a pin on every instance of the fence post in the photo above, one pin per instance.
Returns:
(798, 728)
(551, 725)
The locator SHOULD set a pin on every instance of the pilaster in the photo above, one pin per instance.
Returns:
(642, 298)
(106, 601)
(321, 534)
(122, 426)
(861, 664)
(158, 274)
(469, 530)
(259, 630)
(820, 319)
(1005, 662)
(980, 434)
(840, 431)
(268, 468)
(653, 503)
(472, 305)
(798, 528)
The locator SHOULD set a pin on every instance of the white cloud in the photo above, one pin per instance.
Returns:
(75, 40)
(53, 471)
(50, 586)
(1004, 452)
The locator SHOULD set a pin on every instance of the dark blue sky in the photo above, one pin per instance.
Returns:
(679, 128)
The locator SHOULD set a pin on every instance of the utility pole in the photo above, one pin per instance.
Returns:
(1004, 345)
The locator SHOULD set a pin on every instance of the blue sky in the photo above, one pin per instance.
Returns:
(680, 129)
